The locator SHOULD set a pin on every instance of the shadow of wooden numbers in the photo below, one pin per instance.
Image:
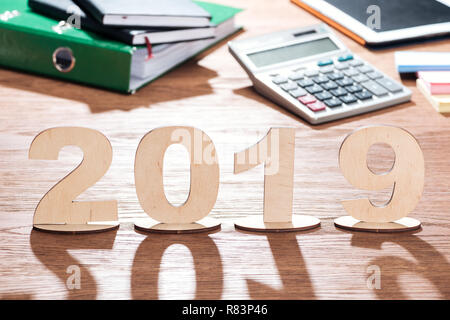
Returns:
(406, 178)
(204, 185)
(57, 211)
(276, 151)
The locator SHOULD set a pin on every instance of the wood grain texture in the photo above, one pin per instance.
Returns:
(213, 93)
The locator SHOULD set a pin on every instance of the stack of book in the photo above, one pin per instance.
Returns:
(435, 86)
(116, 44)
(432, 70)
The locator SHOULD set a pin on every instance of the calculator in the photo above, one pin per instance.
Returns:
(312, 74)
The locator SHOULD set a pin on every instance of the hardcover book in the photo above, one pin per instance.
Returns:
(67, 10)
(147, 13)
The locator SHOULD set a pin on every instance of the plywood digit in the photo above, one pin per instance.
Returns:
(406, 178)
(204, 185)
(58, 207)
(276, 150)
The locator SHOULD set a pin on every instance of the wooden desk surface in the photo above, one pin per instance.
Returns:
(213, 93)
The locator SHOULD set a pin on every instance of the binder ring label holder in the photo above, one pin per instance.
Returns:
(63, 59)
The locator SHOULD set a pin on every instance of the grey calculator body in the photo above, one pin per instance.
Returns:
(312, 74)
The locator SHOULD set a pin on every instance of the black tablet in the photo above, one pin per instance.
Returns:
(385, 21)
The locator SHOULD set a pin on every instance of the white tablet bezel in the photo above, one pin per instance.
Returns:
(370, 36)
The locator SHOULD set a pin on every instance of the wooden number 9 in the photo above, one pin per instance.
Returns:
(406, 176)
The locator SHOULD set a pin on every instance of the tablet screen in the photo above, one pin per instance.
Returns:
(397, 14)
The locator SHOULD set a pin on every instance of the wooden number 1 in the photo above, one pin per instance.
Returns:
(406, 177)
(58, 205)
(276, 151)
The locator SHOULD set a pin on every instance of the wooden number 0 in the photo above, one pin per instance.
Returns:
(204, 185)
(57, 206)
(406, 177)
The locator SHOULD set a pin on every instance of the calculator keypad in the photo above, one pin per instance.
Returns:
(336, 83)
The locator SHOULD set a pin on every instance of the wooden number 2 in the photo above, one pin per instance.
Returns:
(276, 151)
(406, 176)
(148, 173)
(57, 206)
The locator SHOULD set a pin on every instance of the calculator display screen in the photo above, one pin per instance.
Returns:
(292, 52)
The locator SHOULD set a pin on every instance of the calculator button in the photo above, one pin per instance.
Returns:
(363, 95)
(365, 69)
(348, 99)
(345, 57)
(374, 75)
(279, 80)
(333, 102)
(356, 63)
(336, 76)
(330, 85)
(316, 106)
(360, 78)
(327, 69)
(390, 85)
(289, 86)
(339, 92)
(299, 69)
(326, 62)
(314, 89)
(374, 87)
(345, 82)
(323, 95)
(354, 88)
(341, 66)
(305, 82)
(320, 79)
(306, 99)
(311, 73)
(296, 76)
(351, 72)
(299, 92)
